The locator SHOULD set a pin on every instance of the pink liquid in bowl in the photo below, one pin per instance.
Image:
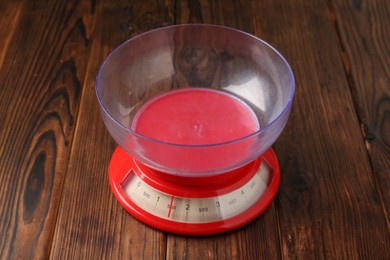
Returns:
(191, 118)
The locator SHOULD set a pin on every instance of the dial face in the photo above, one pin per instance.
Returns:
(197, 210)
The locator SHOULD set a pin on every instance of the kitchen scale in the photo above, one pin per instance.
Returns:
(195, 110)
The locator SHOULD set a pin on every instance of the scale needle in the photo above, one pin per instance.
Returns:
(170, 206)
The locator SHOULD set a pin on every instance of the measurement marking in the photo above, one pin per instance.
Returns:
(137, 186)
(243, 192)
(198, 210)
(170, 206)
(157, 200)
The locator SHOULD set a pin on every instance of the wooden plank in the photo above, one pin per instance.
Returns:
(9, 17)
(256, 240)
(41, 78)
(216, 12)
(91, 223)
(259, 239)
(328, 199)
(363, 27)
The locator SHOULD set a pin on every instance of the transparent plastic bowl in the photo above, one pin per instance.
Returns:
(195, 59)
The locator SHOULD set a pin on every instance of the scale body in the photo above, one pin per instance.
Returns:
(194, 206)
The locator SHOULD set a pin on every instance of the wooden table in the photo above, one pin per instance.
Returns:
(334, 197)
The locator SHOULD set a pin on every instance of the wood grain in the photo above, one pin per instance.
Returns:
(255, 240)
(259, 239)
(216, 12)
(363, 27)
(10, 14)
(328, 198)
(41, 82)
(91, 222)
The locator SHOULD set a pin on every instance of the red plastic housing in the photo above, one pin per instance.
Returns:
(122, 164)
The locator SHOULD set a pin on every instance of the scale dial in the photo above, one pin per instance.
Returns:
(189, 212)
(197, 210)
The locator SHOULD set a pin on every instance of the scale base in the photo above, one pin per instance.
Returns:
(194, 206)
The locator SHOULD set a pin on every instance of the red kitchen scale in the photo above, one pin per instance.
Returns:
(195, 109)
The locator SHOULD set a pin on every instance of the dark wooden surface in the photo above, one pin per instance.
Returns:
(334, 197)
